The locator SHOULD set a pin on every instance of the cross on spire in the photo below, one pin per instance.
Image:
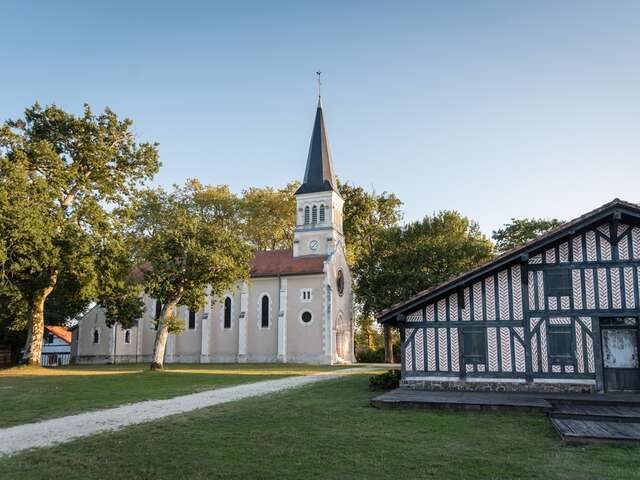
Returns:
(318, 73)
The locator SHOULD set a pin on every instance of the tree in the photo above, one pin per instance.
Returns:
(365, 216)
(269, 216)
(520, 231)
(71, 169)
(188, 244)
(406, 260)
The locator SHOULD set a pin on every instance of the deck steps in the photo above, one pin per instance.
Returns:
(576, 417)
(608, 413)
(584, 430)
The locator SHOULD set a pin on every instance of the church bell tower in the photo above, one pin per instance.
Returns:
(319, 205)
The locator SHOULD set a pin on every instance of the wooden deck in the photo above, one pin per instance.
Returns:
(401, 397)
(576, 417)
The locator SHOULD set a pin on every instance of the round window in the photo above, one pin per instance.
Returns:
(306, 317)
(340, 282)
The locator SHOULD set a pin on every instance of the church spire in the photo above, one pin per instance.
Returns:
(318, 176)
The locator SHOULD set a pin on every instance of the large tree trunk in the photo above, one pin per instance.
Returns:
(388, 344)
(33, 347)
(160, 345)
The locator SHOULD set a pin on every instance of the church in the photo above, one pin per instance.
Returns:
(296, 307)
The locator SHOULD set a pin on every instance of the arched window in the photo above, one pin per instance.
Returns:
(96, 336)
(264, 311)
(192, 320)
(321, 213)
(306, 215)
(227, 312)
(127, 336)
(314, 214)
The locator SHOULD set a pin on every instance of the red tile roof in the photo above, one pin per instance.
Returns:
(281, 262)
(63, 333)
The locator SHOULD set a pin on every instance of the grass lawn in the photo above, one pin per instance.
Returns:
(328, 431)
(32, 394)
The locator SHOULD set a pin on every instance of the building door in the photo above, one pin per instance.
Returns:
(620, 353)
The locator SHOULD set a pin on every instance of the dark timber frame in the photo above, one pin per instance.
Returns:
(508, 298)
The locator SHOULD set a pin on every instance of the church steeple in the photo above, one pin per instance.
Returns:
(318, 176)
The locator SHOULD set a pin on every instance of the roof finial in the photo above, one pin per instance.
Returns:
(318, 73)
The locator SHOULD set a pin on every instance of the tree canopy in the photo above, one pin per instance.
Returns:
(188, 244)
(520, 231)
(406, 260)
(59, 175)
(269, 216)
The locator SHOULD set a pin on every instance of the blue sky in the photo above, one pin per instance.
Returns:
(497, 109)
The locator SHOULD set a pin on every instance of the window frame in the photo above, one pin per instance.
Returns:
(191, 321)
(227, 298)
(314, 215)
(302, 312)
(307, 215)
(473, 358)
(557, 282)
(262, 310)
(556, 358)
(96, 336)
(127, 336)
(306, 295)
(322, 214)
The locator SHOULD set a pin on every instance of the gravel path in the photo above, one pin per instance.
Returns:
(65, 429)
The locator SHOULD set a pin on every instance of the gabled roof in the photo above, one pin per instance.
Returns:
(318, 176)
(282, 262)
(63, 333)
(510, 256)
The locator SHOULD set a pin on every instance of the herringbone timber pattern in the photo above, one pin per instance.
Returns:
(590, 292)
(532, 291)
(442, 310)
(603, 297)
(577, 289)
(453, 307)
(431, 349)
(443, 357)
(466, 311)
(590, 239)
(616, 294)
(492, 347)
(635, 242)
(629, 297)
(477, 301)
(579, 348)
(577, 248)
(550, 256)
(544, 360)
(490, 296)
(455, 351)
(564, 252)
(605, 249)
(419, 343)
(519, 350)
(516, 292)
(503, 295)
(505, 348)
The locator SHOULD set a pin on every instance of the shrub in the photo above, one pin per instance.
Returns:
(385, 381)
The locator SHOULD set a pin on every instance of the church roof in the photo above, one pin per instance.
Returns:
(282, 262)
(318, 176)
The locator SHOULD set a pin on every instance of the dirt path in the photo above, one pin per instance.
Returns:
(65, 429)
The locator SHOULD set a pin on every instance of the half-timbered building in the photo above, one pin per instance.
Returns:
(559, 313)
